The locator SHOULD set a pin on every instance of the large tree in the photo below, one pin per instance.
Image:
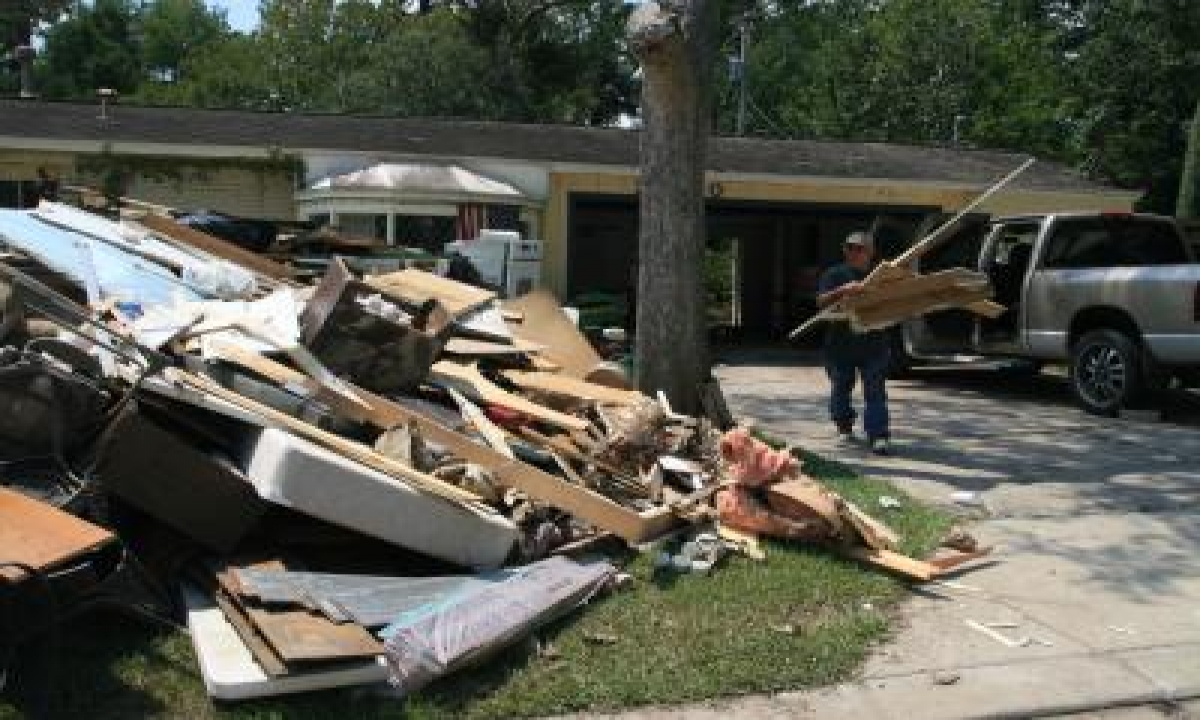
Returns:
(673, 41)
(97, 46)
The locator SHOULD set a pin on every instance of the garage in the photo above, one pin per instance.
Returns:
(763, 260)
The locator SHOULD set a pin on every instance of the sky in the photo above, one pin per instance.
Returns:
(242, 14)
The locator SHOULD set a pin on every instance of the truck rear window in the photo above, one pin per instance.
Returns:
(1113, 242)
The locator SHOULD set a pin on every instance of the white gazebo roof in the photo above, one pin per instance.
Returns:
(443, 182)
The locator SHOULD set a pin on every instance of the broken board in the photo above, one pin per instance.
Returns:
(231, 673)
(417, 286)
(41, 536)
(543, 321)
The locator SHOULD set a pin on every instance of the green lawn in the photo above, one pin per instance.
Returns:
(804, 618)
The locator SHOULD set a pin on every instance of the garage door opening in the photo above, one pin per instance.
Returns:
(762, 261)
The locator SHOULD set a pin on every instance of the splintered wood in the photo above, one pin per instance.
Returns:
(894, 292)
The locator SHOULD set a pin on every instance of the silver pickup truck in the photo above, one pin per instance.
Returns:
(1115, 296)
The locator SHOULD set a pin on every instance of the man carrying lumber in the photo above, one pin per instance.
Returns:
(849, 353)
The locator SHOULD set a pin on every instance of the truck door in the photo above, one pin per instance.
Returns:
(947, 332)
(1007, 260)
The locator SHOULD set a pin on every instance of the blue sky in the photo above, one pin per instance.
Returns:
(242, 14)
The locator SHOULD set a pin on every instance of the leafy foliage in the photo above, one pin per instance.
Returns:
(1108, 85)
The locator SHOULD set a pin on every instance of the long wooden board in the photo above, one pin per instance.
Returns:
(570, 387)
(40, 535)
(588, 505)
(216, 246)
(467, 380)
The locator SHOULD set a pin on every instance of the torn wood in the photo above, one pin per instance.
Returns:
(587, 505)
(570, 387)
(469, 381)
(41, 536)
(417, 286)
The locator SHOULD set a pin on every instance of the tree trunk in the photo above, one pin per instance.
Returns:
(1188, 205)
(671, 39)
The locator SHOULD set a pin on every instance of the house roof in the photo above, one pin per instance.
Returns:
(294, 133)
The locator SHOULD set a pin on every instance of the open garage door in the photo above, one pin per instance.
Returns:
(764, 257)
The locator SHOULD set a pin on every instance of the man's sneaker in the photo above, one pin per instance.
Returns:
(880, 446)
(846, 436)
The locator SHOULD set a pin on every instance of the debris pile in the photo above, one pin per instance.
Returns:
(366, 478)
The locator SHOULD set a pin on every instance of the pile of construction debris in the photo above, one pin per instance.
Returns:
(373, 477)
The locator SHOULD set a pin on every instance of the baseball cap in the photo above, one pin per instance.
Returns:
(860, 238)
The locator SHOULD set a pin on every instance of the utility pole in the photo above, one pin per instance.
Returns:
(741, 78)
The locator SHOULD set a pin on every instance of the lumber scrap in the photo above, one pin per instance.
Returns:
(470, 346)
(40, 536)
(543, 321)
(587, 505)
(569, 387)
(894, 561)
(468, 380)
(417, 286)
(299, 635)
(217, 247)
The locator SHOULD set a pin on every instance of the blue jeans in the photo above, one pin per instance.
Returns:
(842, 375)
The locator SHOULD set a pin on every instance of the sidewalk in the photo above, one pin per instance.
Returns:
(1096, 583)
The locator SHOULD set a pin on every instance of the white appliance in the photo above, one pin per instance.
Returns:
(504, 260)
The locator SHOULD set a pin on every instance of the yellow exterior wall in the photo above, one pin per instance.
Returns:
(948, 198)
(24, 164)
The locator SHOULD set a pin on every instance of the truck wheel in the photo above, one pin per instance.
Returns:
(1106, 372)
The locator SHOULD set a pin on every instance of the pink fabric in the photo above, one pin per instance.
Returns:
(753, 462)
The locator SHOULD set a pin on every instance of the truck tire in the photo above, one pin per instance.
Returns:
(1107, 372)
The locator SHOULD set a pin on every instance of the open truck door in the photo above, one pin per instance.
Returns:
(946, 332)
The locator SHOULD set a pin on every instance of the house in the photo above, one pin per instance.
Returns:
(782, 206)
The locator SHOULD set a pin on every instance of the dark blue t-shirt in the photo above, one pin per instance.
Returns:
(842, 343)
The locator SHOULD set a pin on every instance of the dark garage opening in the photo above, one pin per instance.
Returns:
(763, 262)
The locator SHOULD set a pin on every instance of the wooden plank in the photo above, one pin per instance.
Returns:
(570, 387)
(466, 379)
(492, 433)
(894, 561)
(417, 286)
(946, 563)
(303, 636)
(469, 346)
(348, 448)
(587, 505)
(545, 323)
(217, 247)
(41, 536)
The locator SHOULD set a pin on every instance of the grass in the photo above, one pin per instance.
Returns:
(804, 618)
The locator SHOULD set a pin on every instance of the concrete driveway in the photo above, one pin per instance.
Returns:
(1096, 583)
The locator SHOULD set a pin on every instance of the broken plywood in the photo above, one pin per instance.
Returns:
(417, 286)
(543, 321)
(41, 536)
